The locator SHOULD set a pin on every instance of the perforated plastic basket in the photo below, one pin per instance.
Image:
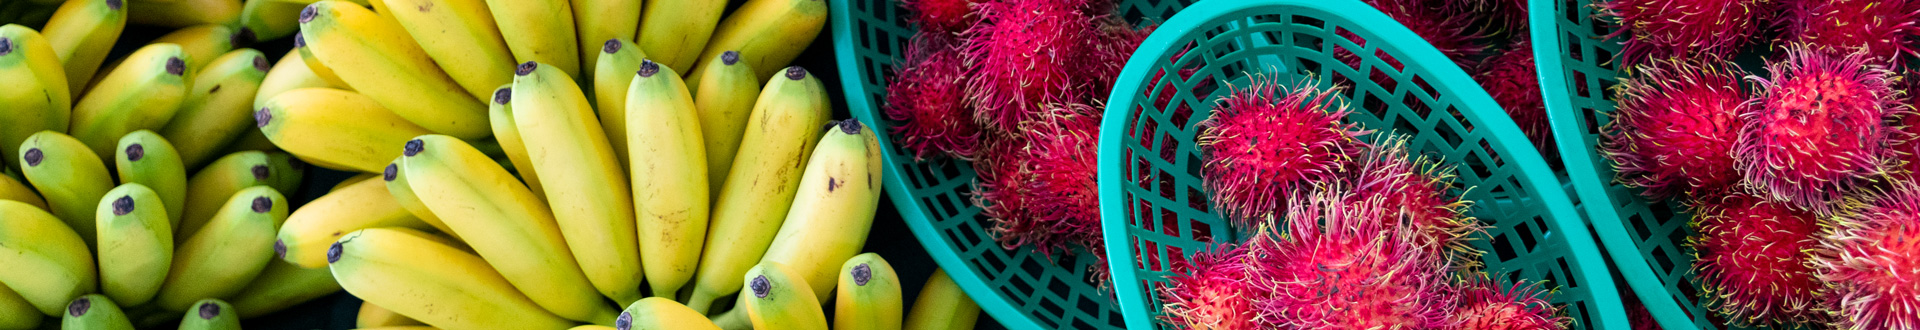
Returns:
(1020, 288)
(1536, 234)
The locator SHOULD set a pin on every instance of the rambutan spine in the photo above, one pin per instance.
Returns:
(940, 16)
(1870, 260)
(1211, 291)
(1818, 129)
(1417, 190)
(926, 97)
(1751, 258)
(1340, 265)
(1485, 304)
(1038, 188)
(1683, 28)
(1675, 128)
(1263, 145)
(1511, 79)
(1885, 29)
(1023, 55)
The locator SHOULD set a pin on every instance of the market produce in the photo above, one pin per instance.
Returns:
(613, 74)
(869, 295)
(135, 244)
(942, 306)
(218, 107)
(1025, 52)
(148, 159)
(1753, 257)
(95, 311)
(675, 32)
(1438, 22)
(59, 168)
(941, 16)
(1511, 79)
(1265, 144)
(303, 240)
(281, 286)
(833, 210)
(459, 34)
(16, 312)
(210, 314)
(270, 20)
(398, 185)
(1419, 186)
(313, 63)
(181, 13)
(1683, 28)
(726, 101)
(373, 316)
(539, 31)
(655, 313)
(1884, 30)
(595, 214)
(927, 96)
(229, 251)
(81, 33)
(1486, 305)
(378, 59)
(210, 188)
(500, 112)
(1212, 291)
(1342, 265)
(1050, 201)
(437, 284)
(37, 98)
(47, 263)
(201, 43)
(668, 169)
(142, 93)
(1868, 258)
(780, 298)
(1818, 130)
(333, 128)
(769, 34)
(1675, 128)
(598, 20)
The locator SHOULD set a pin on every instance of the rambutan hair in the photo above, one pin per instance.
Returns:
(1263, 144)
(940, 16)
(1439, 22)
(1341, 265)
(925, 96)
(1683, 28)
(1024, 55)
(1884, 29)
(1511, 79)
(1416, 191)
(1485, 304)
(1675, 128)
(1211, 292)
(1870, 261)
(1113, 42)
(1818, 129)
(1751, 258)
(1040, 190)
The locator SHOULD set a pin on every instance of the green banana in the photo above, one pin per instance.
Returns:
(58, 166)
(303, 240)
(150, 160)
(136, 244)
(833, 212)
(432, 282)
(769, 34)
(252, 140)
(761, 185)
(461, 37)
(142, 93)
(283, 285)
(508, 134)
(81, 33)
(725, 99)
(209, 189)
(183, 13)
(780, 298)
(12, 189)
(217, 109)
(403, 194)
(656, 313)
(289, 73)
(942, 306)
(210, 314)
(36, 98)
(16, 313)
(539, 31)
(313, 63)
(669, 176)
(290, 171)
(675, 31)
(579, 174)
(47, 263)
(270, 20)
(612, 75)
(600, 20)
(373, 316)
(380, 60)
(95, 312)
(228, 253)
(331, 126)
(869, 295)
(202, 43)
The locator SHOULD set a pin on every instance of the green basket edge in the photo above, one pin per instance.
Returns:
(1127, 287)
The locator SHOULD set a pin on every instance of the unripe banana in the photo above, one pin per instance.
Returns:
(483, 203)
(669, 176)
(13, 190)
(203, 43)
(313, 63)
(461, 37)
(769, 34)
(331, 126)
(290, 171)
(270, 20)
(283, 285)
(142, 93)
(380, 60)
(218, 106)
(833, 212)
(869, 295)
(209, 190)
(942, 306)
(403, 194)
(432, 282)
(16, 313)
(183, 13)
(81, 33)
(95, 312)
(613, 74)
(59, 167)
(210, 314)
(136, 244)
(150, 160)
(779, 298)
(228, 253)
(596, 21)
(675, 31)
(290, 73)
(580, 176)
(47, 263)
(500, 111)
(657, 313)
(304, 239)
(539, 31)
(761, 185)
(373, 316)
(725, 99)
(36, 98)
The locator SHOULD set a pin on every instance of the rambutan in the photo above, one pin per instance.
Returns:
(1668, 28)
(940, 16)
(1417, 191)
(1751, 255)
(1675, 127)
(1263, 145)
(1211, 292)
(926, 97)
(1437, 22)
(1023, 55)
(1340, 265)
(1885, 29)
(1113, 42)
(1510, 78)
(1818, 129)
(1039, 190)
(1486, 305)
(1870, 261)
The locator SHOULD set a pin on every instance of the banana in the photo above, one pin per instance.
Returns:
(36, 98)
(482, 203)
(81, 33)
(208, 190)
(291, 171)
(95, 312)
(539, 31)
(252, 140)
(331, 126)
(270, 20)
(136, 244)
(591, 327)
(676, 31)
(217, 108)
(150, 160)
(769, 34)
(600, 20)
(202, 43)
(461, 37)
(313, 63)
(781, 299)
(869, 295)
(11, 189)
(508, 134)
(657, 313)
(612, 75)
(210, 314)
(403, 195)
(761, 184)
(142, 93)
(380, 60)
(942, 306)
(303, 240)
(16, 313)
(283, 285)
(373, 316)
(290, 73)
(58, 166)
(47, 263)
(183, 13)
(725, 99)
(580, 176)
(229, 252)
(432, 282)
(669, 176)
(833, 212)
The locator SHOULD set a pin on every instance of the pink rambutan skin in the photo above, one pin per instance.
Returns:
(1885, 29)
(1211, 292)
(1818, 129)
(1664, 28)
(1417, 190)
(1039, 189)
(1751, 257)
(1439, 22)
(1511, 79)
(1023, 55)
(925, 96)
(1675, 128)
(1485, 305)
(940, 16)
(1871, 261)
(1263, 144)
(1342, 264)
(1113, 42)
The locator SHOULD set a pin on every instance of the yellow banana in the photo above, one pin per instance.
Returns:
(378, 59)
(461, 37)
(675, 31)
(310, 229)
(12, 189)
(539, 31)
(596, 21)
(47, 263)
(95, 312)
(210, 314)
(81, 33)
(612, 75)
(761, 184)
(779, 298)
(942, 306)
(150, 160)
(833, 212)
(313, 63)
(283, 285)
(580, 176)
(36, 98)
(769, 34)
(290, 171)
(725, 99)
(209, 189)
(229, 252)
(869, 295)
(669, 176)
(57, 165)
(183, 13)
(136, 244)
(372, 316)
(403, 194)
(218, 106)
(483, 203)
(16, 313)
(202, 43)
(331, 126)
(508, 134)
(432, 282)
(657, 313)
(270, 20)
(290, 73)
(142, 93)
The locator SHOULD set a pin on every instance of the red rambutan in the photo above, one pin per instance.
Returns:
(1751, 255)
(1341, 266)
(1113, 42)
(1436, 21)
(940, 16)
(1485, 305)
(1510, 78)
(1675, 127)
(1885, 29)
(1818, 129)
(1039, 190)
(1023, 56)
(1211, 292)
(1871, 261)
(925, 96)
(1416, 190)
(1665, 28)
(1263, 145)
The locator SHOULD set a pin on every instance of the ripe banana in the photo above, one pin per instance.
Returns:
(283, 285)
(833, 212)
(675, 31)
(725, 99)
(202, 43)
(150, 160)
(751, 207)
(432, 282)
(500, 111)
(303, 240)
(47, 263)
(16, 313)
(482, 203)
(539, 31)
(600, 20)
(313, 63)
(289, 73)
(580, 175)
(331, 126)
(182, 13)
(36, 98)
(13, 190)
(779, 298)
(769, 34)
(81, 33)
(403, 195)
(217, 108)
(657, 313)
(669, 176)
(290, 171)
(869, 295)
(270, 20)
(209, 189)
(136, 244)
(612, 75)
(142, 93)
(942, 306)
(372, 316)
(210, 314)
(59, 167)
(461, 37)
(95, 312)
(229, 252)
(380, 60)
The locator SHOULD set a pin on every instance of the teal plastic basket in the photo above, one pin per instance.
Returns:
(1020, 288)
(1153, 200)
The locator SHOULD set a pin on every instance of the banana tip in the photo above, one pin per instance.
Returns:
(262, 117)
(115, 4)
(333, 253)
(525, 68)
(307, 14)
(280, 248)
(625, 322)
(648, 68)
(33, 157)
(260, 63)
(414, 147)
(730, 57)
(862, 274)
(503, 95)
(849, 126)
(135, 152)
(392, 172)
(796, 72)
(761, 287)
(612, 46)
(6, 46)
(261, 172)
(209, 310)
(242, 38)
(299, 40)
(123, 205)
(79, 307)
(176, 66)
(262, 204)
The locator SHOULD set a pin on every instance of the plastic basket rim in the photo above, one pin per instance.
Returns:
(1535, 172)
